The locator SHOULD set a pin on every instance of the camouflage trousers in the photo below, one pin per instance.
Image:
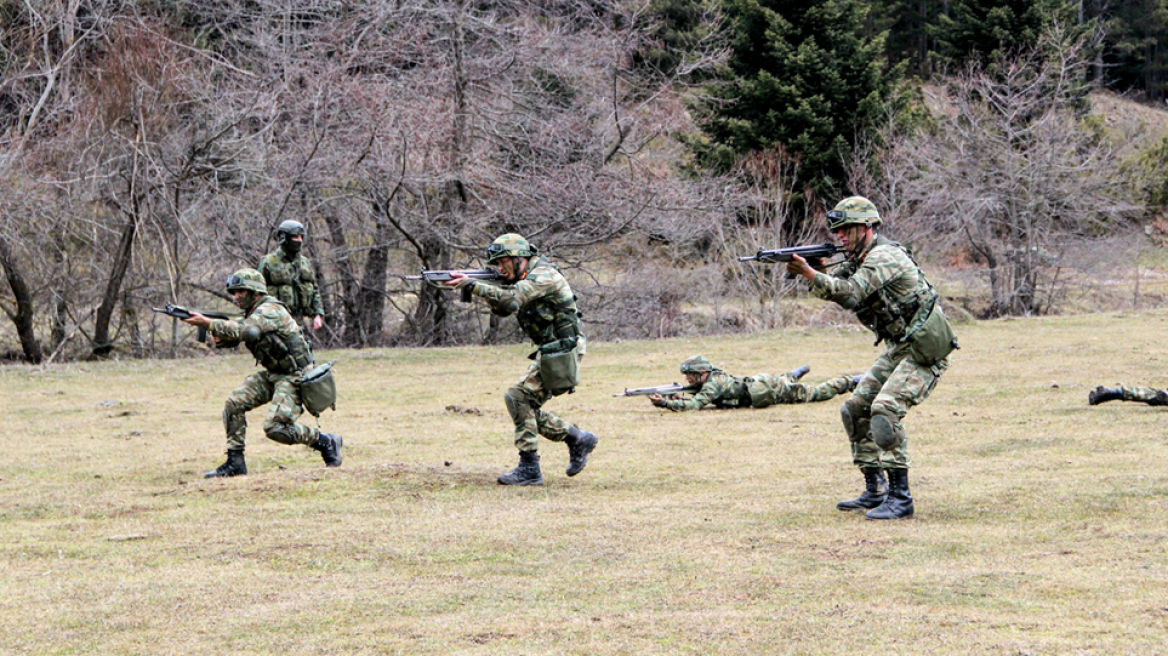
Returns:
(525, 404)
(280, 424)
(1143, 394)
(768, 389)
(872, 416)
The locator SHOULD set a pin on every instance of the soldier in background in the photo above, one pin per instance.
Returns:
(1149, 395)
(539, 295)
(722, 390)
(274, 338)
(289, 275)
(883, 285)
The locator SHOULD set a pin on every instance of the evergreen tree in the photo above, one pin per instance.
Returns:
(986, 30)
(802, 75)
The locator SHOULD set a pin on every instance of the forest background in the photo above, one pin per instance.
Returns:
(148, 149)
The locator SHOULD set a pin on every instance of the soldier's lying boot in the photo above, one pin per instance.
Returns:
(899, 503)
(855, 382)
(1161, 398)
(580, 444)
(875, 490)
(796, 374)
(329, 446)
(1103, 394)
(235, 466)
(527, 473)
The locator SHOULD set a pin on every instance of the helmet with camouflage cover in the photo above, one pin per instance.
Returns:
(696, 365)
(853, 210)
(510, 245)
(248, 279)
(286, 231)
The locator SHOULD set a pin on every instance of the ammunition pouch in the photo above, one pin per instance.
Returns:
(318, 389)
(559, 366)
(930, 336)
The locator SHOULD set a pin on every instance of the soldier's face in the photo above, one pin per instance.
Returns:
(694, 377)
(511, 266)
(241, 298)
(853, 237)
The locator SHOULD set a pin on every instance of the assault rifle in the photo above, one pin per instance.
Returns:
(180, 312)
(664, 390)
(435, 276)
(785, 254)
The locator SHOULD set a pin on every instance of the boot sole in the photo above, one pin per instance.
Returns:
(519, 483)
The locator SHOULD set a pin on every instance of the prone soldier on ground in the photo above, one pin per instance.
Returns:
(890, 295)
(1149, 395)
(274, 338)
(721, 390)
(290, 277)
(539, 295)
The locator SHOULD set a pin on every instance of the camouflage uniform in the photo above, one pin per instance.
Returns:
(281, 349)
(546, 309)
(886, 289)
(1149, 395)
(722, 390)
(291, 279)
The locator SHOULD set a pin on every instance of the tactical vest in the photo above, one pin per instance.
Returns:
(548, 319)
(738, 396)
(280, 354)
(292, 283)
(890, 317)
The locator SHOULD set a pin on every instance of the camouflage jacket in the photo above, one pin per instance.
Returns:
(293, 282)
(720, 390)
(542, 301)
(882, 285)
(271, 334)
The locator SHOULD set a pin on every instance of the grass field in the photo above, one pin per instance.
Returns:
(1041, 526)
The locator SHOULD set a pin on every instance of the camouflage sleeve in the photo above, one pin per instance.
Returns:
(709, 393)
(317, 307)
(262, 267)
(508, 297)
(881, 266)
(231, 330)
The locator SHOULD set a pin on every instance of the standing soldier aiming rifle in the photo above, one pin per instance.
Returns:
(881, 283)
(274, 338)
(289, 275)
(537, 293)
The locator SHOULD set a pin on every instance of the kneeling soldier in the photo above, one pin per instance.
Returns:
(274, 338)
(722, 390)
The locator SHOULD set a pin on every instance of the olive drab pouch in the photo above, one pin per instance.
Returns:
(933, 340)
(762, 395)
(318, 389)
(559, 366)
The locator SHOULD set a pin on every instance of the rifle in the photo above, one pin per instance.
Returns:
(435, 276)
(664, 389)
(784, 254)
(180, 312)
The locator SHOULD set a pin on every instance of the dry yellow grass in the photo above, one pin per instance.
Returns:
(1040, 523)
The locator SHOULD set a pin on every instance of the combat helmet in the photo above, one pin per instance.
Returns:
(853, 210)
(510, 245)
(248, 279)
(697, 364)
(286, 231)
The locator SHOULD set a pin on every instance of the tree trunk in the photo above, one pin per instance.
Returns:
(374, 283)
(102, 345)
(23, 317)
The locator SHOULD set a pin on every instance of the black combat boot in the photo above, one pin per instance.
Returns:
(875, 490)
(235, 466)
(329, 446)
(1161, 398)
(580, 444)
(527, 473)
(796, 374)
(1103, 394)
(899, 503)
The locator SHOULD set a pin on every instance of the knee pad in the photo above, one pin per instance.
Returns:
(282, 433)
(517, 405)
(884, 432)
(853, 414)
